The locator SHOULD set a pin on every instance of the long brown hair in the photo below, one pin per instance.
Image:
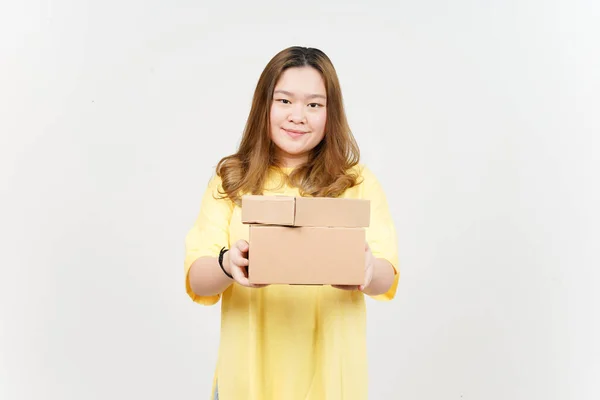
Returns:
(328, 171)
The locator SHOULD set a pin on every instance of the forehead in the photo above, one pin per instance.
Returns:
(301, 80)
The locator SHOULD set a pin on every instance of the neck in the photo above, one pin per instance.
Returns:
(293, 161)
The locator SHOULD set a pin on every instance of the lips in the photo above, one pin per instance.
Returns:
(294, 133)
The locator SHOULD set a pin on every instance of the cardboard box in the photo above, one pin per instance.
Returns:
(305, 240)
(306, 255)
(306, 211)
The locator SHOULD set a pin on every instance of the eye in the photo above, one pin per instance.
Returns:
(284, 101)
(315, 105)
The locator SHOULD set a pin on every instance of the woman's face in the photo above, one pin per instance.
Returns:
(298, 114)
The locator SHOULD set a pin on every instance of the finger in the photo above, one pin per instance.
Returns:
(239, 276)
(368, 275)
(243, 248)
(368, 279)
(242, 245)
(236, 258)
(239, 260)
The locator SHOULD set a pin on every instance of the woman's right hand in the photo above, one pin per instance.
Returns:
(237, 261)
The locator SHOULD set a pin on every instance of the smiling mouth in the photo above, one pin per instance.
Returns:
(294, 133)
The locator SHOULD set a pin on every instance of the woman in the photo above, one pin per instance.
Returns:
(289, 342)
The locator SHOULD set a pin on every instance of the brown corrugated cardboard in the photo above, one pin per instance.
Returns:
(268, 210)
(306, 240)
(330, 212)
(305, 211)
(306, 255)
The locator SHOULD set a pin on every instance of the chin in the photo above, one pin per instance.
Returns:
(294, 152)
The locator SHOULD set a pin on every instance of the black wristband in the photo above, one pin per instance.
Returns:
(221, 254)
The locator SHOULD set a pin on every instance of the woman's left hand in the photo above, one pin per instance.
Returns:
(369, 262)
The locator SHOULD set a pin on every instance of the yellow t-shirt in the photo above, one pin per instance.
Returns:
(289, 342)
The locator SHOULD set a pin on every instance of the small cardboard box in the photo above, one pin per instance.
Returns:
(305, 240)
(306, 211)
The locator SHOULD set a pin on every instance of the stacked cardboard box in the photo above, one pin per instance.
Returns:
(306, 240)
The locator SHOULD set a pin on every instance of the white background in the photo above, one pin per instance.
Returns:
(479, 118)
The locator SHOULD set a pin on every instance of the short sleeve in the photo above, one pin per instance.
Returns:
(208, 235)
(381, 233)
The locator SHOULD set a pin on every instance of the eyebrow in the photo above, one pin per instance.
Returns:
(310, 96)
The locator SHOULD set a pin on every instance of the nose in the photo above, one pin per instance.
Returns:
(297, 114)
